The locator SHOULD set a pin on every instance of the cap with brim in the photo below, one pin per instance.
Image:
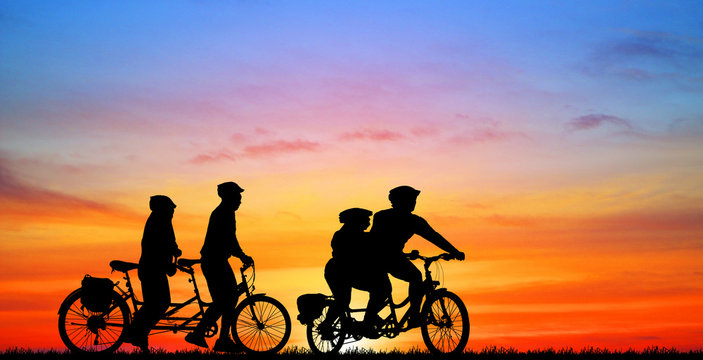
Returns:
(229, 186)
(404, 191)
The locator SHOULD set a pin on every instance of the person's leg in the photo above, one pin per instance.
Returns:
(226, 297)
(378, 285)
(213, 312)
(340, 287)
(341, 291)
(156, 295)
(403, 269)
(379, 289)
(160, 298)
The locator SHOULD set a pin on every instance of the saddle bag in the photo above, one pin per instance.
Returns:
(96, 293)
(310, 307)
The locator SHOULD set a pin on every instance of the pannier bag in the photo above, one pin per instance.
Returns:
(310, 307)
(96, 293)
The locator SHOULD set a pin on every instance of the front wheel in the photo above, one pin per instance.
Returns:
(261, 324)
(446, 324)
(84, 331)
(325, 336)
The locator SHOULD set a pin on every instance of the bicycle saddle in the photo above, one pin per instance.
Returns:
(188, 262)
(123, 266)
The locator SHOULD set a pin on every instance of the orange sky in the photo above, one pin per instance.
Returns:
(530, 281)
(559, 145)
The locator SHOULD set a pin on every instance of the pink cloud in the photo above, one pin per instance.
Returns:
(486, 135)
(262, 131)
(207, 158)
(281, 146)
(374, 135)
(424, 131)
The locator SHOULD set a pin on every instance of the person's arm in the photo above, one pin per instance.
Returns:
(237, 249)
(426, 231)
(172, 245)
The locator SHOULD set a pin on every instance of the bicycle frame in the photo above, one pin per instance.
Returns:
(392, 327)
(166, 323)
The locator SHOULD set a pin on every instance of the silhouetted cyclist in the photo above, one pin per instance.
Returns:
(158, 251)
(391, 229)
(355, 264)
(220, 244)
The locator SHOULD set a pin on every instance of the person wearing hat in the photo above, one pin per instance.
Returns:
(159, 250)
(392, 228)
(220, 244)
(353, 266)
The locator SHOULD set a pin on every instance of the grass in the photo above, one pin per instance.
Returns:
(302, 353)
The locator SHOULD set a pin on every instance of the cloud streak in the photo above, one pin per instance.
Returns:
(372, 135)
(592, 121)
(281, 147)
(24, 203)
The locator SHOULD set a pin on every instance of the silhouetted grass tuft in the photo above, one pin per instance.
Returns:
(295, 352)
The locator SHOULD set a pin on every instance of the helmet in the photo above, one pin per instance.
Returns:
(160, 203)
(354, 215)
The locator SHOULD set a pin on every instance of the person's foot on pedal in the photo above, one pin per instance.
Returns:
(141, 343)
(414, 321)
(326, 332)
(370, 327)
(225, 344)
(196, 339)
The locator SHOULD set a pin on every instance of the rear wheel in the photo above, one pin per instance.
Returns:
(261, 324)
(446, 326)
(84, 331)
(325, 337)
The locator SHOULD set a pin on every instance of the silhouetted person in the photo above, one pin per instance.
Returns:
(220, 244)
(158, 251)
(355, 264)
(392, 228)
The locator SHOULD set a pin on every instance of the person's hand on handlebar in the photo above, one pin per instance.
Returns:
(415, 254)
(459, 255)
(247, 261)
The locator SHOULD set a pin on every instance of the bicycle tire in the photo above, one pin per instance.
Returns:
(84, 331)
(318, 345)
(270, 333)
(446, 327)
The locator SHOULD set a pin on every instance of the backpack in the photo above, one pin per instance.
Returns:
(96, 293)
(310, 307)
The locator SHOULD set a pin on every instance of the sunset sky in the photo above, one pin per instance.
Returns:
(558, 144)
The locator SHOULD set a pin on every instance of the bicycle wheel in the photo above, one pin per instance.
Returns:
(261, 324)
(84, 331)
(446, 327)
(326, 340)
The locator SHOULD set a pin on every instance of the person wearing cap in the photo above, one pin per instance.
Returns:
(352, 266)
(159, 249)
(392, 228)
(220, 244)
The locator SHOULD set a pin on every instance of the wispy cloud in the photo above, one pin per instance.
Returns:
(653, 220)
(212, 157)
(372, 134)
(486, 135)
(424, 131)
(592, 121)
(281, 147)
(25, 203)
(644, 56)
(689, 126)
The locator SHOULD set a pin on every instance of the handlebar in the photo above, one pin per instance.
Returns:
(415, 255)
